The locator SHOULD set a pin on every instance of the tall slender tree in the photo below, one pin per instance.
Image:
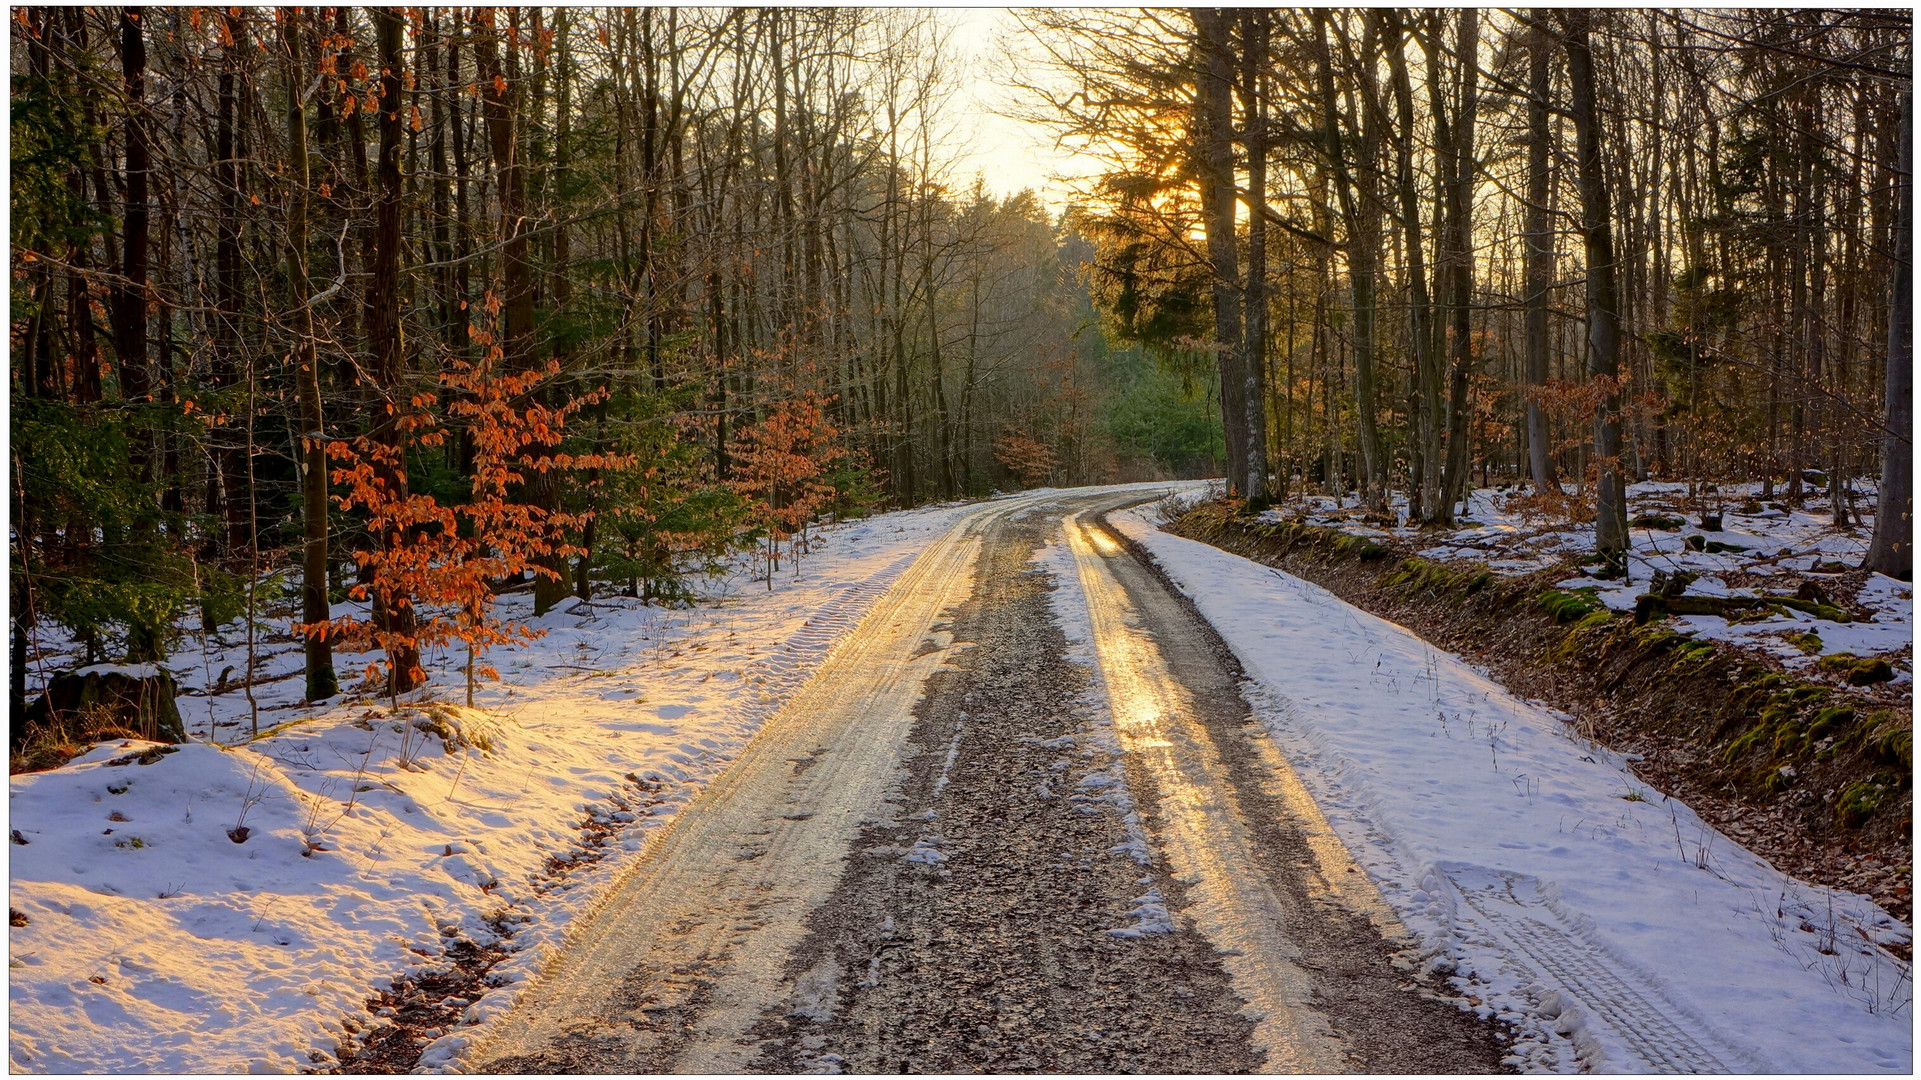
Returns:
(1603, 298)
(1891, 551)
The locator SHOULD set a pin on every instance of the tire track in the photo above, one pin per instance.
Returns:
(685, 950)
(1589, 989)
(1007, 919)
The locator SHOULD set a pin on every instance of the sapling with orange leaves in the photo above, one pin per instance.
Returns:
(781, 466)
(424, 560)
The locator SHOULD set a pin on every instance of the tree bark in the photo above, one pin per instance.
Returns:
(1603, 304)
(1540, 259)
(1214, 154)
(1361, 212)
(1255, 28)
(393, 615)
(1891, 552)
(1422, 487)
(130, 294)
(228, 458)
(1461, 222)
(322, 683)
(499, 97)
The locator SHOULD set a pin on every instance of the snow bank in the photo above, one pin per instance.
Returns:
(162, 938)
(1618, 930)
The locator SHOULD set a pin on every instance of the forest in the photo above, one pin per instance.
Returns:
(1565, 249)
(404, 308)
(419, 304)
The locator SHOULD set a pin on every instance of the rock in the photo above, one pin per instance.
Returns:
(138, 698)
(1869, 672)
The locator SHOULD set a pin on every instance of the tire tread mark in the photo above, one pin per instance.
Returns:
(1639, 1014)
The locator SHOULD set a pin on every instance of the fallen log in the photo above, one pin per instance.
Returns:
(1653, 606)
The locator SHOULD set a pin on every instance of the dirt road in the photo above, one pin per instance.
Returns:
(958, 850)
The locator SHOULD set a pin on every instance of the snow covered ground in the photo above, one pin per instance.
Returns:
(1767, 551)
(1612, 925)
(163, 938)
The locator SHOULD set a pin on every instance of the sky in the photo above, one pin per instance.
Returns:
(1011, 155)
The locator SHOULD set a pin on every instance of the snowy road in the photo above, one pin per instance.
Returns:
(1019, 820)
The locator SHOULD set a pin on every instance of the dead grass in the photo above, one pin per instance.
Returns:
(1551, 507)
(53, 743)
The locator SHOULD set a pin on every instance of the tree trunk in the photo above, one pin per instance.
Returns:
(394, 615)
(1214, 153)
(312, 449)
(1461, 222)
(1540, 259)
(1364, 260)
(1424, 477)
(1255, 27)
(226, 476)
(130, 294)
(1603, 306)
(1891, 552)
(500, 99)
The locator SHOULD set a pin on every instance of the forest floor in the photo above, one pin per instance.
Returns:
(407, 882)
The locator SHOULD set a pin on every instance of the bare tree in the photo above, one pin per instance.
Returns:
(1891, 551)
(1603, 302)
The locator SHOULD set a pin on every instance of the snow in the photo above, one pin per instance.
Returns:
(1788, 543)
(131, 671)
(157, 942)
(1615, 928)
